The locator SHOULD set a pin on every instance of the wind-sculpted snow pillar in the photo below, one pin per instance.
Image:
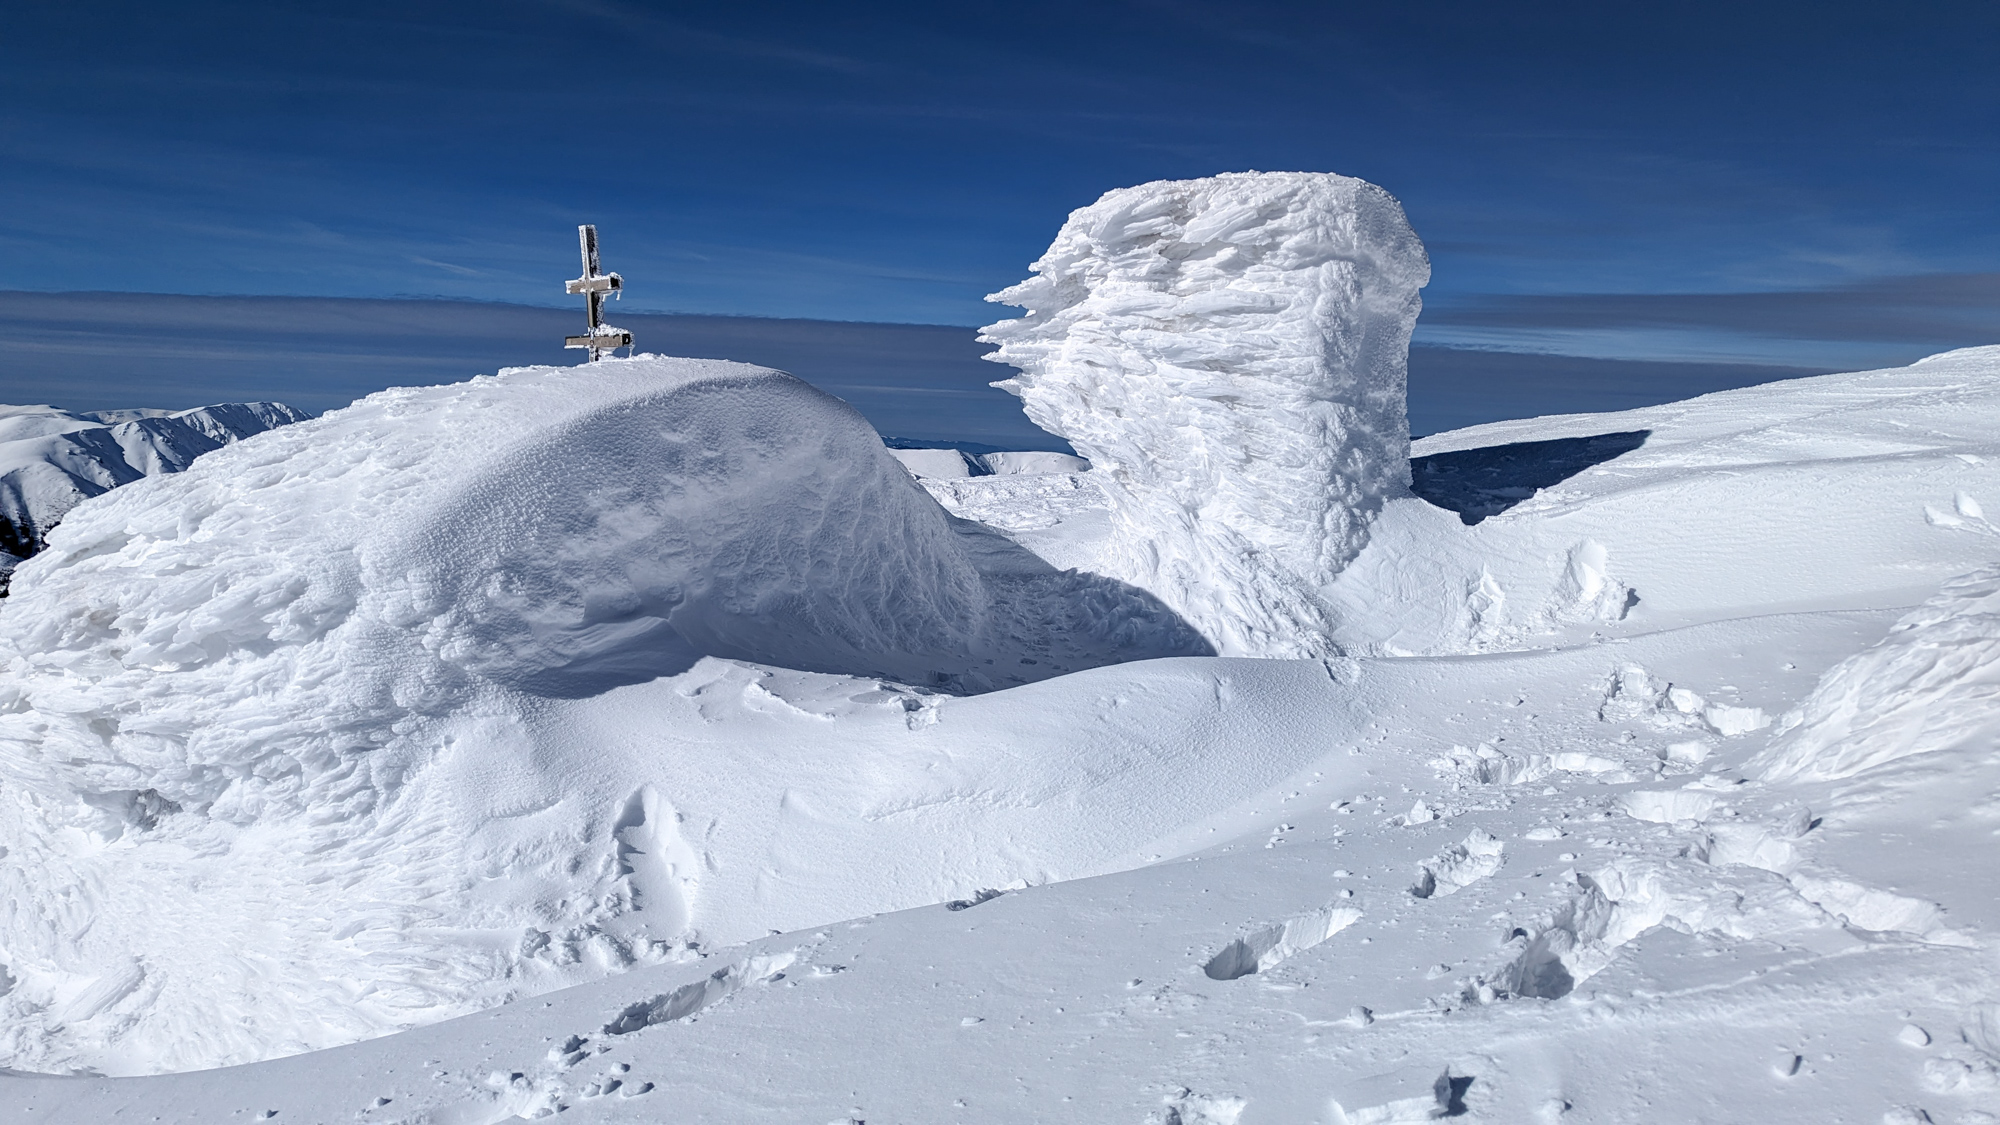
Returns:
(1232, 355)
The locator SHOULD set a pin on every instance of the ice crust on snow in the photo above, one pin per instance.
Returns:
(1231, 355)
(52, 460)
(262, 721)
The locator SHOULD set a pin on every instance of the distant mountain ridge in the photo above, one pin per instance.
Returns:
(52, 460)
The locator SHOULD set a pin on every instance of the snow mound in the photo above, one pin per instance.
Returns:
(1932, 684)
(1231, 354)
(255, 716)
(52, 460)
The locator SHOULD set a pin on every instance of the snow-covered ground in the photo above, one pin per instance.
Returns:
(643, 743)
(1623, 865)
(325, 736)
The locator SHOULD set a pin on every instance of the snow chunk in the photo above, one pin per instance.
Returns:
(1637, 696)
(1670, 806)
(1231, 353)
(1459, 866)
(1266, 948)
(1932, 684)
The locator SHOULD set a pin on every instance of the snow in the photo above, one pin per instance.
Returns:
(1643, 769)
(1931, 685)
(956, 464)
(1032, 462)
(51, 460)
(947, 464)
(1231, 355)
(286, 730)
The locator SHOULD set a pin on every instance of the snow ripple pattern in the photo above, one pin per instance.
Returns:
(1932, 684)
(1231, 354)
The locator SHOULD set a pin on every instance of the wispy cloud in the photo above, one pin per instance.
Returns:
(628, 18)
(462, 271)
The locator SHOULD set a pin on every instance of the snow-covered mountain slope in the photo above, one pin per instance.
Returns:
(1811, 494)
(1543, 873)
(1231, 353)
(956, 464)
(52, 460)
(279, 766)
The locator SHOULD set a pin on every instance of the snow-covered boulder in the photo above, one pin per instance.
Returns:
(52, 460)
(1932, 684)
(1231, 355)
(264, 777)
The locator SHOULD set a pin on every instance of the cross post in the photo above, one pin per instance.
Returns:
(601, 338)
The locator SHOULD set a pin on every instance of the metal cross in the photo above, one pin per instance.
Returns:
(601, 338)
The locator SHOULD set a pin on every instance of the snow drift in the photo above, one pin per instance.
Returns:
(1231, 354)
(1932, 684)
(52, 460)
(255, 716)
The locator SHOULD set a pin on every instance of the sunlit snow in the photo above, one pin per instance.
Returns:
(646, 742)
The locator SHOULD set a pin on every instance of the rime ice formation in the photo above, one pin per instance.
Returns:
(1932, 684)
(52, 460)
(1231, 354)
(266, 785)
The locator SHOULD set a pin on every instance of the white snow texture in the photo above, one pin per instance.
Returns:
(1231, 354)
(659, 690)
(52, 460)
(261, 721)
(1932, 684)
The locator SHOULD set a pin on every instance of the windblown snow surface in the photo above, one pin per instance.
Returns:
(1232, 356)
(271, 728)
(1649, 775)
(52, 460)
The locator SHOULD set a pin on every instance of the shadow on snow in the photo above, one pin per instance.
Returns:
(1477, 483)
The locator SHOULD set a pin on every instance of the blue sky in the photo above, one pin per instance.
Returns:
(1592, 179)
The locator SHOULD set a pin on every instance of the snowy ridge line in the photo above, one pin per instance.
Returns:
(1231, 355)
(956, 464)
(52, 460)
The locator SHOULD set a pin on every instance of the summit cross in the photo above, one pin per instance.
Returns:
(601, 337)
